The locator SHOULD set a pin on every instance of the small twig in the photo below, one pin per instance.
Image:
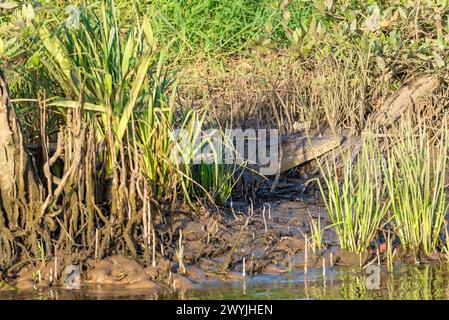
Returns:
(418, 4)
(264, 220)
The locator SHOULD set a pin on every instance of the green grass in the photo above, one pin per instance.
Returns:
(157, 143)
(110, 71)
(404, 185)
(120, 76)
(118, 64)
(217, 29)
(414, 173)
(355, 202)
(216, 179)
(316, 234)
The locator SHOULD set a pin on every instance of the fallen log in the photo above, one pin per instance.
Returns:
(395, 106)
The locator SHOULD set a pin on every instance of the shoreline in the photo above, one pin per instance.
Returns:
(266, 240)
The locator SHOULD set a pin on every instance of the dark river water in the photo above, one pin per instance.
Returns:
(406, 282)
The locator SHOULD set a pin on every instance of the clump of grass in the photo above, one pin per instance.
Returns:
(356, 204)
(114, 73)
(214, 175)
(222, 28)
(316, 234)
(414, 174)
(217, 179)
(180, 254)
(165, 157)
(121, 79)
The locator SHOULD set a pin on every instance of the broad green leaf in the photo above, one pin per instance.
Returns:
(148, 31)
(127, 54)
(56, 49)
(54, 73)
(134, 94)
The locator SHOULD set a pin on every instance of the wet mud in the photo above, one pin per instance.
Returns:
(247, 241)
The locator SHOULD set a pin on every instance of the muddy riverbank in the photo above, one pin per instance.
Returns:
(245, 241)
(428, 281)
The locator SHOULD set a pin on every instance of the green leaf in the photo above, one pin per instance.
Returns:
(134, 94)
(108, 83)
(56, 49)
(127, 54)
(34, 61)
(8, 285)
(148, 31)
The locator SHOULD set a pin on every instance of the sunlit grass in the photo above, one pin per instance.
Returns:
(121, 77)
(355, 202)
(414, 174)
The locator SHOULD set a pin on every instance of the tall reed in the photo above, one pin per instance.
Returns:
(356, 204)
(414, 174)
(113, 72)
(124, 87)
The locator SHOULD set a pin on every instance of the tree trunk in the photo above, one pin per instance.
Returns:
(19, 186)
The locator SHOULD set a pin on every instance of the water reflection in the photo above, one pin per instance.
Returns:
(406, 282)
